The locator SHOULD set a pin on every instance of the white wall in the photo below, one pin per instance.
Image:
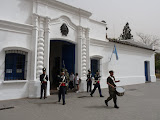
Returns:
(53, 11)
(97, 30)
(19, 11)
(129, 68)
(14, 36)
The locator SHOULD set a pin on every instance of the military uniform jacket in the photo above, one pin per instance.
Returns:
(62, 80)
(89, 77)
(111, 80)
(43, 78)
(96, 77)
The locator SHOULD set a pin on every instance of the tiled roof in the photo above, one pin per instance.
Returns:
(132, 43)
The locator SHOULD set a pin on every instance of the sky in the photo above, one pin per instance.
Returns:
(143, 15)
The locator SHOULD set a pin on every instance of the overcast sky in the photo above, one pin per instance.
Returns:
(142, 15)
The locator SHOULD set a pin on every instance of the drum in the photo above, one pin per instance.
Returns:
(120, 91)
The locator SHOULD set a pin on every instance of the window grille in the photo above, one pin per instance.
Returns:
(15, 65)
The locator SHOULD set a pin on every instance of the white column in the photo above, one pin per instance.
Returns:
(34, 47)
(88, 45)
(33, 85)
(82, 57)
(40, 48)
(84, 54)
(47, 50)
(79, 51)
(37, 62)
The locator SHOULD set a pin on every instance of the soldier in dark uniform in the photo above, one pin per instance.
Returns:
(112, 89)
(62, 87)
(97, 84)
(89, 81)
(43, 79)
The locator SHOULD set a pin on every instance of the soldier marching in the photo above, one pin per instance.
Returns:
(62, 87)
(97, 84)
(63, 80)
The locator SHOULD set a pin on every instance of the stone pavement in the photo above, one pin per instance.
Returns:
(140, 102)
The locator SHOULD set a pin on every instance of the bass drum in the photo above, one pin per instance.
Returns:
(120, 91)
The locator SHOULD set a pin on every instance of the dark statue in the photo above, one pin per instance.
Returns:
(64, 29)
(126, 33)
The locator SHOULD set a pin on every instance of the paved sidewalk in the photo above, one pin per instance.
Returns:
(140, 102)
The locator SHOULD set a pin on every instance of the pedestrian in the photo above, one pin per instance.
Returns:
(97, 84)
(71, 78)
(67, 80)
(112, 89)
(77, 80)
(62, 89)
(89, 81)
(43, 79)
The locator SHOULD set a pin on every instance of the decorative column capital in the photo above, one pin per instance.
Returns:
(47, 24)
(80, 29)
(35, 21)
(41, 22)
(87, 33)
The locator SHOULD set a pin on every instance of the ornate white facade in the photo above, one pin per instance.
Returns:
(30, 25)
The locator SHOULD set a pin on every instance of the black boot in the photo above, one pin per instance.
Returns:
(106, 102)
(115, 106)
(64, 103)
(101, 96)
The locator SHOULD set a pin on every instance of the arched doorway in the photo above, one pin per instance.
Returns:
(62, 55)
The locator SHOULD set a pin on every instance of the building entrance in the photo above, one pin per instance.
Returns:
(62, 55)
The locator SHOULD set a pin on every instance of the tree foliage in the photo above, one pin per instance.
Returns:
(157, 62)
(126, 33)
(149, 40)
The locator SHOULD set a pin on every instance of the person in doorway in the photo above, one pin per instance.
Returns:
(71, 78)
(89, 81)
(112, 89)
(67, 80)
(62, 89)
(43, 79)
(97, 84)
(77, 80)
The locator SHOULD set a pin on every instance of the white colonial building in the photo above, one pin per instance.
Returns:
(47, 33)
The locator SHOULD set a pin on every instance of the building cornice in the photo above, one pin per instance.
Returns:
(65, 7)
(98, 42)
(98, 22)
(15, 27)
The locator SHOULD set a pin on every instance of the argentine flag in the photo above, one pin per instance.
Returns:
(115, 52)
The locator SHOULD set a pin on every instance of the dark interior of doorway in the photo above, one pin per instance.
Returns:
(62, 55)
(147, 71)
(94, 66)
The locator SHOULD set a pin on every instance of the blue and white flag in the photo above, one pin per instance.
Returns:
(115, 52)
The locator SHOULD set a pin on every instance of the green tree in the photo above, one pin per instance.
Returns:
(157, 62)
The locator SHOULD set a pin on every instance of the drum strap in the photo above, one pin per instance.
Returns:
(113, 79)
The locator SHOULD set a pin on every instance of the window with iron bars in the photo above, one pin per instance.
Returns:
(15, 65)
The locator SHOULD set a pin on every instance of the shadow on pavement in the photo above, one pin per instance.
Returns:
(47, 103)
(100, 107)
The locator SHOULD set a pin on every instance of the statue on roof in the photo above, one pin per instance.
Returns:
(126, 33)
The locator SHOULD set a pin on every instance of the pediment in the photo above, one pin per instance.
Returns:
(64, 19)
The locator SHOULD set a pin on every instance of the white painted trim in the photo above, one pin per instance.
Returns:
(102, 23)
(65, 19)
(64, 7)
(15, 81)
(63, 39)
(17, 48)
(15, 27)
(98, 42)
(96, 57)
